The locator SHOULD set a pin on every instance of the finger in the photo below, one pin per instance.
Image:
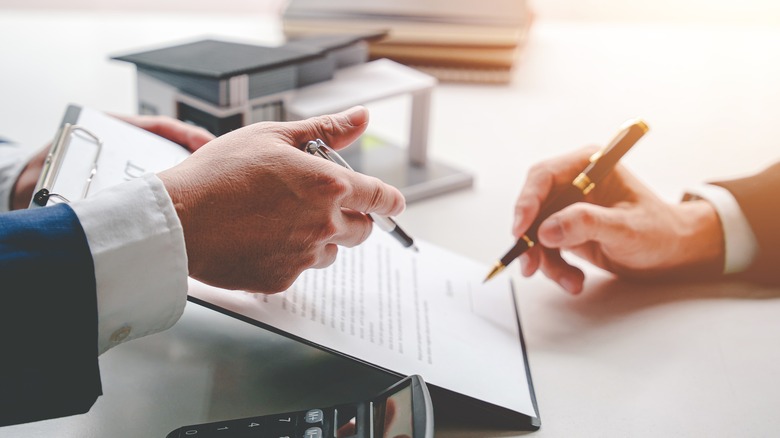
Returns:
(25, 184)
(349, 429)
(582, 222)
(370, 195)
(529, 262)
(327, 256)
(196, 137)
(190, 136)
(558, 270)
(592, 252)
(354, 230)
(390, 410)
(542, 179)
(526, 209)
(336, 130)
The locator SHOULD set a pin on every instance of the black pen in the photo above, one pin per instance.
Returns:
(386, 223)
(601, 163)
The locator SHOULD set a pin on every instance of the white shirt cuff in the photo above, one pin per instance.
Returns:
(137, 246)
(741, 245)
(13, 159)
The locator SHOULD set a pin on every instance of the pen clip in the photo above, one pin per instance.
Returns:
(318, 147)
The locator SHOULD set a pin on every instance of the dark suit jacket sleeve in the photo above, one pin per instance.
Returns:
(759, 198)
(48, 316)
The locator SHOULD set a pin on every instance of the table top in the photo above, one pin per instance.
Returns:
(622, 359)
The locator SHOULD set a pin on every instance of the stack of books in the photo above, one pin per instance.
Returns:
(453, 40)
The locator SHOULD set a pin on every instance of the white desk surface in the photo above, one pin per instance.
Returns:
(620, 360)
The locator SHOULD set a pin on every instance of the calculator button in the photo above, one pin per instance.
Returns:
(313, 432)
(244, 427)
(255, 424)
(252, 424)
(223, 428)
(282, 420)
(314, 416)
(282, 426)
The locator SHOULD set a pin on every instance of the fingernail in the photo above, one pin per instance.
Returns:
(552, 231)
(357, 115)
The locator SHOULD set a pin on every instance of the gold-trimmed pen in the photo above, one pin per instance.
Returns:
(601, 163)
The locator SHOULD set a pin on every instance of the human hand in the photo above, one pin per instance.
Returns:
(622, 227)
(189, 136)
(22, 192)
(256, 210)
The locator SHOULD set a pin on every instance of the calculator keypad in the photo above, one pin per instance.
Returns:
(313, 423)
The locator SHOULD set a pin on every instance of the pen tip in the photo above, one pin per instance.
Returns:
(498, 267)
(414, 248)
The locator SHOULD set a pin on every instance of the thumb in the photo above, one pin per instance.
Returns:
(336, 130)
(582, 222)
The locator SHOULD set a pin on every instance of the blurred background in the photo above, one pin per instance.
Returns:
(673, 58)
(696, 11)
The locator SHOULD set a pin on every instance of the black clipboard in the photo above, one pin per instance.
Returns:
(449, 401)
(472, 412)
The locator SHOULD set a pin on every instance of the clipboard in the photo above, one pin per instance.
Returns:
(472, 412)
(92, 151)
(487, 409)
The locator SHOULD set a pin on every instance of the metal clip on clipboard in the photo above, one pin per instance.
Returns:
(53, 164)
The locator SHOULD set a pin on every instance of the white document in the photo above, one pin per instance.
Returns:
(127, 152)
(424, 313)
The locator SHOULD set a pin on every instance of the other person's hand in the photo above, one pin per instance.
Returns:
(190, 136)
(622, 227)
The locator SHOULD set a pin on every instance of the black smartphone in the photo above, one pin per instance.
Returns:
(403, 410)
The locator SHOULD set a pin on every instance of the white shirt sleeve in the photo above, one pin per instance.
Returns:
(741, 245)
(13, 159)
(137, 246)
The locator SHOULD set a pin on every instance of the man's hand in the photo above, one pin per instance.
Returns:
(257, 210)
(622, 227)
(189, 136)
(23, 188)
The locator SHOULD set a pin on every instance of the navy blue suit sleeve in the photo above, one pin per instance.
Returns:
(48, 316)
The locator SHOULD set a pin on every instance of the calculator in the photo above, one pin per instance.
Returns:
(403, 410)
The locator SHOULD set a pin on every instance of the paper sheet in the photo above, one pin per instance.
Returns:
(424, 313)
